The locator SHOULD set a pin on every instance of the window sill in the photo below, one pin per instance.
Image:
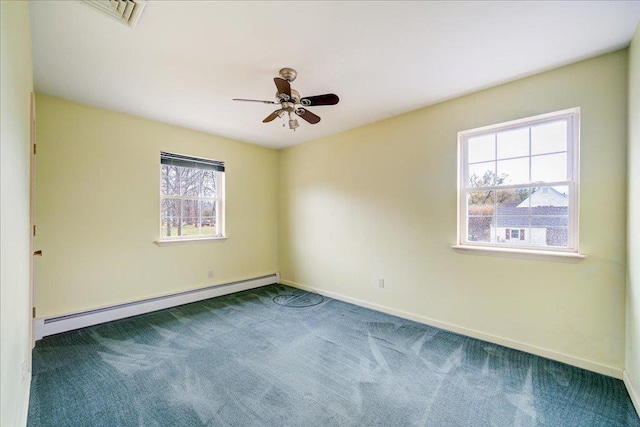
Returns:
(571, 257)
(170, 242)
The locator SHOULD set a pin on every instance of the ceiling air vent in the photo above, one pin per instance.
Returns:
(125, 11)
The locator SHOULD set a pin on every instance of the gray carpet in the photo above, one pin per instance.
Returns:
(247, 360)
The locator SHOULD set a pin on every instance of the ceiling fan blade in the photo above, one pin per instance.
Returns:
(283, 86)
(326, 99)
(308, 115)
(254, 100)
(271, 117)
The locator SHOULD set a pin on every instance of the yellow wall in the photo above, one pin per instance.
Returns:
(632, 363)
(98, 199)
(16, 77)
(377, 201)
(381, 201)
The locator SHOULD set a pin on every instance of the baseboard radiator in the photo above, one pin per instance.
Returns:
(43, 327)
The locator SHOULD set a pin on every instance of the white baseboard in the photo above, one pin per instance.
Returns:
(43, 327)
(633, 392)
(590, 365)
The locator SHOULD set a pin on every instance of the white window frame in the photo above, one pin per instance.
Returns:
(220, 208)
(572, 116)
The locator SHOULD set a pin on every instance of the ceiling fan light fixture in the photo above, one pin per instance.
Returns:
(293, 124)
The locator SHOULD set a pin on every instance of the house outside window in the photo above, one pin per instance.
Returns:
(518, 184)
(192, 197)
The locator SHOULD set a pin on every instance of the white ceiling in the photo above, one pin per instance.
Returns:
(185, 61)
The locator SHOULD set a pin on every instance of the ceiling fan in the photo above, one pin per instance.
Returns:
(290, 101)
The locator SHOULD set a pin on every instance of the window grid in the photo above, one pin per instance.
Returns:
(466, 187)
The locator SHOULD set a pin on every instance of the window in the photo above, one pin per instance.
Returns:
(192, 197)
(514, 234)
(518, 184)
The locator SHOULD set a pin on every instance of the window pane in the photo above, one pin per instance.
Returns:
(481, 148)
(550, 230)
(513, 202)
(190, 227)
(208, 188)
(170, 181)
(512, 198)
(482, 174)
(514, 143)
(511, 172)
(208, 225)
(190, 208)
(507, 228)
(550, 216)
(480, 203)
(191, 181)
(170, 227)
(549, 168)
(170, 208)
(165, 208)
(549, 138)
(479, 229)
(557, 236)
(480, 208)
(208, 219)
(511, 214)
(207, 208)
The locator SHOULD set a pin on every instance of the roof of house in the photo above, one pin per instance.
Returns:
(549, 216)
(549, 208)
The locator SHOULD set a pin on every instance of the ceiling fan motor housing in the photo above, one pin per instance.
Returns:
(288, 106)
(295, 97)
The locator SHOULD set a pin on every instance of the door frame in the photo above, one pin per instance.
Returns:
(32, 218)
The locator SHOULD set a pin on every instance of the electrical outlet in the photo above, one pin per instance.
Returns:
(380, 282)
(210, 274)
